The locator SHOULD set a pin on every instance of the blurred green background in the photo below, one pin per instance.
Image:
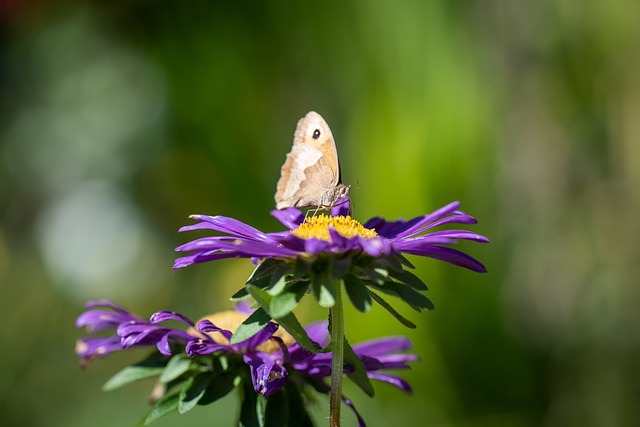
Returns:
(119, 119)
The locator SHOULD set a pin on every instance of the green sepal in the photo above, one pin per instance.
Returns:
(162, 407)
(285, 302)
(409, 295)
(359, 373)
(358, 293)
(324, 289)
(152, 366)
(251, 326)
(404, 261)
(406, 322)
(301, 268)
(410, 279)
(178, 365)
(288, 322)
(390, 262)
(339, 266)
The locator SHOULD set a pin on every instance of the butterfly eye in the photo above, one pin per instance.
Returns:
(316, 134)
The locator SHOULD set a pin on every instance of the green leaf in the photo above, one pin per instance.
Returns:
(359, 373)
(408, 278)
(405, 261)
(278, 280)
(251, 414)
(282, 304)
(358, 293)
(268, 273)
(339, 267)
(152, 366)
(254, 324)
(296, 407)
(324, 289)
(289, 322)
(219, 386)
(406, 322)
(301, 268)
(241, 295)
(264, 269)
(277, 411)
(193, 391)
(178, 365)
(376, 275)
(162, 407)
(407, 294)
(392, 262)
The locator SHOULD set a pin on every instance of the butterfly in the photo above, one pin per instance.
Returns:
(310, 175)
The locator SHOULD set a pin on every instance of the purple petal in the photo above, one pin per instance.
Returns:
(337, 239)
(391, 379)
(397, 361)
(243, 307)
(198, 258)
(290, 217)
(457, 217)
(457, 234)
(267, 375)
(94, 346)
(376, 246)
(107, 303)
(292, 242)
(100, 320)
(382, 346)
(210, 243)
(202, 347)
(316, 246)
(163, 345)
(251, 248)
(390, 229)
(350, 404)
(226, 225)
(205, 325)
(449, 255)
(318, 332)
(164, 315)
(445, 210)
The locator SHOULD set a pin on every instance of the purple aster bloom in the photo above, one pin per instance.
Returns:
(338, 233)
(272, 355)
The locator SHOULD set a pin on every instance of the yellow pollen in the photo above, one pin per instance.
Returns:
(317, 227)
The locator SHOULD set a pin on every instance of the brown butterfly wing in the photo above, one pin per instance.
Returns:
(311, 172)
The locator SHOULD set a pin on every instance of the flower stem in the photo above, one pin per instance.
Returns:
(337, 357)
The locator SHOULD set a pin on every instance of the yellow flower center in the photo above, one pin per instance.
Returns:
(317, 227)
(230, 320)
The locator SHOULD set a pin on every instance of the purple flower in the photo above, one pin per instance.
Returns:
(271, 355)
(334, 234)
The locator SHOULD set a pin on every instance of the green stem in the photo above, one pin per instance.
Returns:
(337, 357)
